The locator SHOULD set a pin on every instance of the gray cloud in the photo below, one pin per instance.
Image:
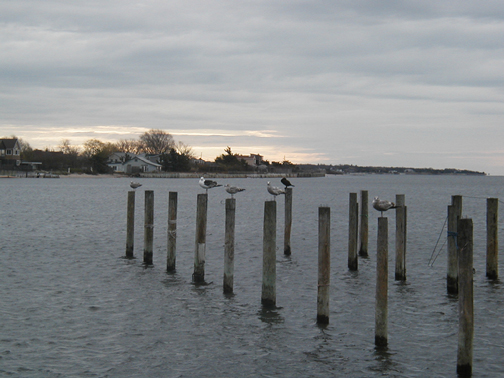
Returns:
(415, 83)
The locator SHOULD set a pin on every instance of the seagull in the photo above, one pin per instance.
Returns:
(207, 184)
(286, 182)
(383, 205)
(275, 191)
(233, 189)
(135, 185)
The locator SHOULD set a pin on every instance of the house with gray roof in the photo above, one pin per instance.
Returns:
(129, 163)
(10, 152)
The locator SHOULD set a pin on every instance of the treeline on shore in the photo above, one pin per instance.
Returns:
(177, 157)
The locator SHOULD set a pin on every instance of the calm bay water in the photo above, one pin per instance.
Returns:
(72, 306)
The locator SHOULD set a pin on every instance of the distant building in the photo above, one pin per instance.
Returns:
(129, 163)
(254, 160)
(10, 152)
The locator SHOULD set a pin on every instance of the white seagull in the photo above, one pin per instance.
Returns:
(208, 184)
(233, 189)
(383, 205)
(135, 185)
(275, 191)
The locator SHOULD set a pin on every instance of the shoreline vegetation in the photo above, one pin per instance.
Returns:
(156, 154)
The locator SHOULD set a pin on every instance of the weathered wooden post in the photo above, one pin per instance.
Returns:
(149, 227)
(324, 265)
(466, 300)
(492, 262)
(381, 314)
(400, 267)
(200, 247)
(171, 255)
(288, 221)
(457, 204)
(229, 240)
(130, 225)
(452, 271)
(364, 224)
(454, 214)
(353, 232)
(268, 296)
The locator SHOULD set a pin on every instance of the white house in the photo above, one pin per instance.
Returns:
(129, 163)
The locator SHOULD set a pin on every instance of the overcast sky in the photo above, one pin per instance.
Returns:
(394, 83)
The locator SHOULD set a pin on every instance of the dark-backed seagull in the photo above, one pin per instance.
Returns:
(208, 184)
(383, 205)
(286, 182)
(233, 189)
(135, 185)
(275, 191)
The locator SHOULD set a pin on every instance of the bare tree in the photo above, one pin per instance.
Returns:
(67, 148)
(156, 141)
(185, 150)
(131, 146)
(92, 147)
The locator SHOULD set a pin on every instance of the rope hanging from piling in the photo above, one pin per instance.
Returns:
(432, 258)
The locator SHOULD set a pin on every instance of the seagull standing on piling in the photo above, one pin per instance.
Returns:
(207, 184)
(286, 182)
(135, 185)
(233, 189)
(383, 205)
(275, 191)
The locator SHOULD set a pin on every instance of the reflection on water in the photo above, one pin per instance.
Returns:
(270, 315)
(71, 305)
(384, 362)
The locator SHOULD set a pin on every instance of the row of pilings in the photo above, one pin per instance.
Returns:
(459, 263)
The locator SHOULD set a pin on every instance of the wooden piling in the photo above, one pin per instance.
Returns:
(400, 241)
(457, 204)
(364, 226)
(381, 314)
(200, 245)
(353, 232)
(130, 225)
(492, 260)
(268, 295)
(149, 227)
(171, 255)
(288, 221)
(452, 271)
(324, 265)
(454, 214)
(466, 300)
(229, 240)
